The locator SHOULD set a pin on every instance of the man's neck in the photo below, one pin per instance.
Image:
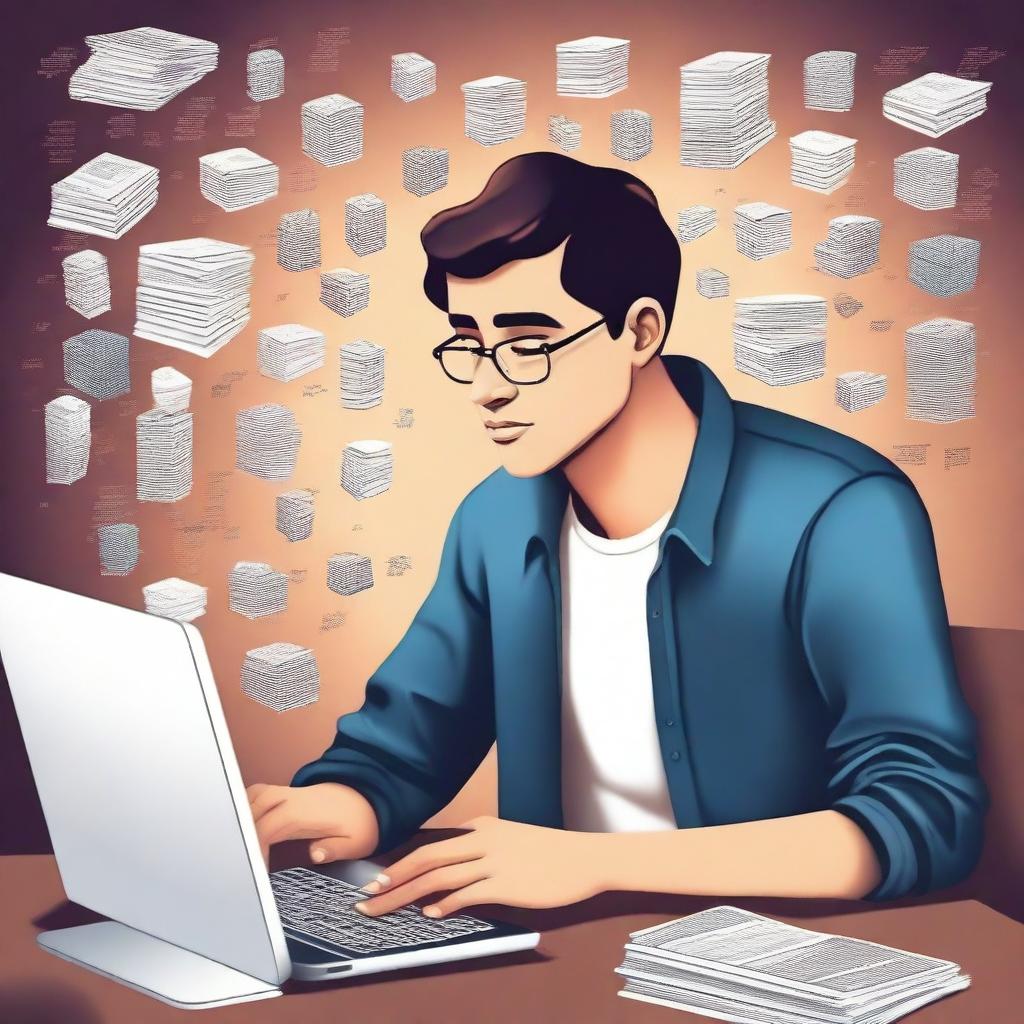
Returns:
(631, 472)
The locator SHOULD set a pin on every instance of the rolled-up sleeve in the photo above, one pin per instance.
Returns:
(427, 719)
(902, 747)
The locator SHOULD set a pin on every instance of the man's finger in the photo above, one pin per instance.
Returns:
(454, 876)
(429, 857)
(331, 848)
(266, 800)
(277, 825)
(470, 896)
(255, 789)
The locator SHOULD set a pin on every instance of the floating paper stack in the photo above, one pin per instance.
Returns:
(565, 134)
(298, 240)
(345, 291)
(255, 590)
(424, 169)
(723, 109)
(163, 455)
(68, 439)
(860, 390)
(294, 514)
(495, 109)
(780, 339)
(119, 548)
(846, 305)
(235, 179)
(821, 161)
(96, 362)
(851, 247)
(935, 103)
(926, 178)
(712, 284)
(695, 221)
(107, 196)
(172, 390)
(288, 351)
(366, 468)
(267, 440)
(175, 598)
(366, 224)
(944, 265)
(828, 80)
(412, 76)
(332, 129)
(762, 230)
(264, 75)
(281, 676)
(348, 573)
(193, 294)
(87, 283)
(593, 67)
(142, 68)
(362, 374)
(632, 134)
(940, 370)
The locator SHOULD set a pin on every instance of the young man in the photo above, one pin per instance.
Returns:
(709, 638)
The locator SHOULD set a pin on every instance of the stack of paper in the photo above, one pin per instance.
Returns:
(565, 134)
(96, 362)
(267, 440)
(142, 68)
(87, 282)
(734, 965)
(851, 247)
(940, 370)
(294, 514)
(281, 676)
(172, 390)
(119, 548)
(175, 598)
(593, 67)
(366, 223)
(495, 109)
(424, 169)
(828, 80)
(332, 129)
(193, 294)
(846, 305)
(780, 339)
(695, 221)
(68, 439)
(821, 161)
(412, 76)
(926, 178)
(944, 265)
(288, 351)
(256, 590)
(298, 240)
(264, 75)
(723, 109)
(762, 230)
(234, 179)
(362, 374)
(935, 103)
(712, 284)
(632, 134)
(345, 291)
(107, 196)
(163, 455)
(860, 390)
(366, 468)
(348, 573)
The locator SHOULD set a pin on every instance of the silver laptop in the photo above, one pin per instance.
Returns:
(151, 827)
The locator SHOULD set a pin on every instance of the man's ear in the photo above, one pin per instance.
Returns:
(647, 322)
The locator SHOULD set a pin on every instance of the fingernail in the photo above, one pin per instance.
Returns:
(371, 887)
(432, 911)
(361, 907)
(318, 855)
(383, 879)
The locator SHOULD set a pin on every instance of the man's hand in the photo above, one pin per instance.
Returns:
(498, 862)
(340, 820)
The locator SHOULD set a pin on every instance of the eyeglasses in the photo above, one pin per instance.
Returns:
(517, 363)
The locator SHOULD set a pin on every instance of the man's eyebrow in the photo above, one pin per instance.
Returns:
(525, 320)
(462, 320)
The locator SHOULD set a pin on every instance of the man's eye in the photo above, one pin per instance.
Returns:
(528, 350)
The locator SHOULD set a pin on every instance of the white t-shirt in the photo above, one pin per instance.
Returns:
(613, 778)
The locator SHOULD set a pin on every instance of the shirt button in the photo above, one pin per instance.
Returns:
(656, 613)
(675, 755)
(670, 721)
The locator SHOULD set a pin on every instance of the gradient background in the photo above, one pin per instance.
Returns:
(49, 530)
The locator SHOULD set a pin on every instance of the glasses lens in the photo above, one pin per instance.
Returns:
(461, 360)
(523, 361)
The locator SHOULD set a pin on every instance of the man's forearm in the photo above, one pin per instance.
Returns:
(821, 854)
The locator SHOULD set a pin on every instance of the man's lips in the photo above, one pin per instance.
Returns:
(506, 431)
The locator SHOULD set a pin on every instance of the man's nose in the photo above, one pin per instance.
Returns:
(489, 387)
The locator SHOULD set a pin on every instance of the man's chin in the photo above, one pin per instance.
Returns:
(527, 467)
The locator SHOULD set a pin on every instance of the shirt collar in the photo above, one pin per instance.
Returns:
(693, 518)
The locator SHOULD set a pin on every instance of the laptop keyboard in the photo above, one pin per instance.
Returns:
(322, 907)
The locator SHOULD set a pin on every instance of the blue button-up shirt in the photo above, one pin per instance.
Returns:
(799, 644)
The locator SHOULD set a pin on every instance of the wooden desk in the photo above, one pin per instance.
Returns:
(569, 978)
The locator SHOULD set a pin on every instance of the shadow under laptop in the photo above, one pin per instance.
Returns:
(45, 1002)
